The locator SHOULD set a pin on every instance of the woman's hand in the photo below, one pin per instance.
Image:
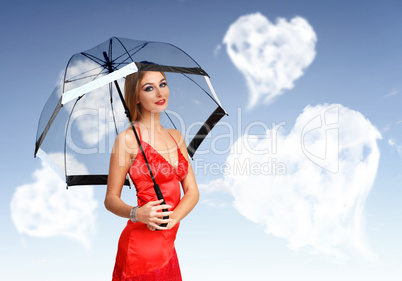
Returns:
(152, 215)
(171, 224)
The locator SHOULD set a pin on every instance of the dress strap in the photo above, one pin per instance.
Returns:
(173, 139)
(139, 131)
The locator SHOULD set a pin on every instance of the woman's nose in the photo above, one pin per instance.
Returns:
(158, 92)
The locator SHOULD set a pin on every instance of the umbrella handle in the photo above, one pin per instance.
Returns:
(160, 196)
(165, 218)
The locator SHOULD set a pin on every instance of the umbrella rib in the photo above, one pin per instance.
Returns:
(72, 79)
(202, 89)
(84, 77)
(93, 58)
(113, 61)
(130, 55)
(170, 119)
(65, 136)
(88, 76)
(49, 123)
(111, 90)
(112, 107)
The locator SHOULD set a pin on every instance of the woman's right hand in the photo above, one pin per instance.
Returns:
(152, 215)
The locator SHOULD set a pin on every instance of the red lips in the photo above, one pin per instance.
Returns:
(160, 102)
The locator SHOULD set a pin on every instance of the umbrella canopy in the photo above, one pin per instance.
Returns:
(86, 110)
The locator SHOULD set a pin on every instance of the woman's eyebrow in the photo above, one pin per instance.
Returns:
(150, 83)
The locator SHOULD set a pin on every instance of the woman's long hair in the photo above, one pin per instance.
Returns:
(131, 93)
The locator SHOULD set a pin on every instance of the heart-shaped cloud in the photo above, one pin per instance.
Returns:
(310, 187)
(271, 57)
(45, 208)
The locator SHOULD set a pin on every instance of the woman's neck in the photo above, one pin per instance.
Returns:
(151, 121)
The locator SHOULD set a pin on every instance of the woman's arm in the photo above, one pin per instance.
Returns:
(118, 169)
(189, 185)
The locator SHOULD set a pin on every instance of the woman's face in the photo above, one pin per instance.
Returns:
(153, 95)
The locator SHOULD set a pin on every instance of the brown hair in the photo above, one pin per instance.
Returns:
(131, 93)
(131, 90)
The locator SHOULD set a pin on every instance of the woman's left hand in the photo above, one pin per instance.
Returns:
(171, 224)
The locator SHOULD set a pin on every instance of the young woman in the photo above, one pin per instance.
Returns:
(144, 253)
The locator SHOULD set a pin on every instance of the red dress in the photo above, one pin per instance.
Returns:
(144, 254)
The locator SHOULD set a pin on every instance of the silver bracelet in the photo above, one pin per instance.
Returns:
(133, 214)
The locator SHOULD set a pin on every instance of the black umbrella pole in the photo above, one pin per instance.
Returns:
(157, 189)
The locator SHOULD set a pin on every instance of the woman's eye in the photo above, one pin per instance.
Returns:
(148, 89)
(163, 85)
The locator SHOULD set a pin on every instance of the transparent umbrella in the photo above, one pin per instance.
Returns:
(86, 110)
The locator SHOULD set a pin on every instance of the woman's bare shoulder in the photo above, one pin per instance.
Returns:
(126, 139)
(176, 134)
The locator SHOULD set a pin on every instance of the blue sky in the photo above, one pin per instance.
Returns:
(309, 223)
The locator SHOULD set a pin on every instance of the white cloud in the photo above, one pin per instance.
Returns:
(217, 50)
(214, 203)
(392, 142)
(216, 185)
(92, 114)
(270, 56)
(393, 92)
(311, 187)
(386, 128)
(45, 208)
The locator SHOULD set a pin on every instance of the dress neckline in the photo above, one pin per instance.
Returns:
(158, 153)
